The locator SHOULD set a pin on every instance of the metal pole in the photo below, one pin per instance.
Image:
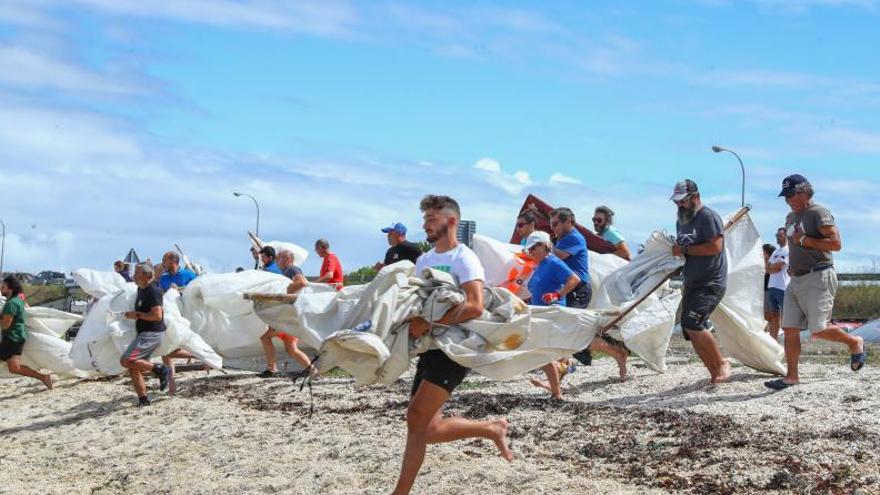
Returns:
(2, 246)
(237, 194)
(719, 149)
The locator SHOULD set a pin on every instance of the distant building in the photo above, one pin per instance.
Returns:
(466, 231)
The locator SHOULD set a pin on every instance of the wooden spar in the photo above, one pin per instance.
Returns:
(257, 297)
(188, 265)
(736, 218)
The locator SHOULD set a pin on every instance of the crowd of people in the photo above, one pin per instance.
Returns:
(800, 290)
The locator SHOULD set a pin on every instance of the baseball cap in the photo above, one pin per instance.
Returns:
(683, 189)
(396, 227)
(790, 184)
(536, 237)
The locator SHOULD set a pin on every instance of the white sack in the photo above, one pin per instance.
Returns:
(99, 284)
(739, 319)
(105, 333)
(869, 331)
(45, 350)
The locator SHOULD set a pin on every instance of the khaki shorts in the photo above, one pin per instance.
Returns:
(809, 300)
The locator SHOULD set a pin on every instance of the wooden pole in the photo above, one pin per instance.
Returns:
(736, 218)
(257, 297)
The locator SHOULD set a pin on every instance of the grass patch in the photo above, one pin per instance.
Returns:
(40, 294)
(857, 301)
(337, 373)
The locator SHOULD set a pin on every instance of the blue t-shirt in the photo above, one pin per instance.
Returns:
(180, 279)
(612, 235)
(549, 276)
(576, 246)
(272, 267)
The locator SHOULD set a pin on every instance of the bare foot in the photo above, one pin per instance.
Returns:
(47, 381)
(724, 375)
(540, 384)
(499, 436)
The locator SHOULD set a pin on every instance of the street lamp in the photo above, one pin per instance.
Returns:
(719, 149)
(238, 194)
(2, 246)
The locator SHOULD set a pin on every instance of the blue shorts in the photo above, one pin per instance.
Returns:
(774, 300)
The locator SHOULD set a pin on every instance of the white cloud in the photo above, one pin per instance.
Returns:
(488, 165)
(331, 18)
(559, 178)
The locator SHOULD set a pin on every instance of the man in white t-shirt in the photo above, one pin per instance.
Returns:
(777, 267)
(436, 374)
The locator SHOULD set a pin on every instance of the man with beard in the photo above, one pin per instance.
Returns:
(701, 241)
(436, 374)
(809, 298)
(603, 220)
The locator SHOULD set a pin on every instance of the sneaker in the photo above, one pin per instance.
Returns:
(584, 357)
(143, 401)
(164, 373)
(268, 374)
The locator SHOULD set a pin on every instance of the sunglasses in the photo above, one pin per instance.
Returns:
(598, 220)
(520, 225)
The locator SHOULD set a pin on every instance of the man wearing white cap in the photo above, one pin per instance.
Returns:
(401, 249)
(551, 281)
(700, 240)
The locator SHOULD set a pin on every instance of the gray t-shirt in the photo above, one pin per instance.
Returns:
(702, 270)
(802, 259)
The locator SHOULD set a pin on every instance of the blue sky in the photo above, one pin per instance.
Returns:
(129, 124)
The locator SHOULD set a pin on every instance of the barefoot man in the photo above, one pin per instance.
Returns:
(15, 332)
(436, 374)
(809, 298)
(701, 241)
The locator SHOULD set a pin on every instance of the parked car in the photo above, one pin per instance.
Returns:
(49, 277)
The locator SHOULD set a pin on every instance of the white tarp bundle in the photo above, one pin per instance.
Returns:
(739, 319)
(99, 284)
(647, 329)
(45, 349)
(505, 265)
(105, 333)
(509, 339)
(380, 350)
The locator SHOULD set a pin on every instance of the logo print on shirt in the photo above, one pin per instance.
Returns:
(687, 239)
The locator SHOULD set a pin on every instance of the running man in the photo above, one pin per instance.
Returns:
(150, 326)
(701, 241)
(15, 332)
(809, 299)
(436, 374)
(285, 262)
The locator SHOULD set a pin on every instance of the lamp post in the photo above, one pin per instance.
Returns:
(238, 194)
(719, 149)
(2, 246)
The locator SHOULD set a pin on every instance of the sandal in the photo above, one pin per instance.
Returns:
(778, 384)
(857, 361)
(267, 374)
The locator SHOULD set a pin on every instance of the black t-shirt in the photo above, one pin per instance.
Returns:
(404, 251)
(291, 271)
(703, 270)
(147, 299)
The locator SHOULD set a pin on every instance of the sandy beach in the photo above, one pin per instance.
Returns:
(237, 433)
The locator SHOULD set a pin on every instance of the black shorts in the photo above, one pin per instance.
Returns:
(697, 304)
(9, 348)
(580, 297)
(435, 367)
